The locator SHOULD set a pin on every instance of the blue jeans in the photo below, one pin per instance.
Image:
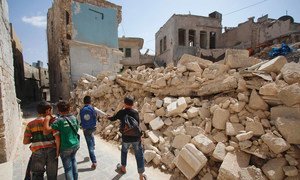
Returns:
(139, 154)
(69, 162)
(90, 141)
(44, 158)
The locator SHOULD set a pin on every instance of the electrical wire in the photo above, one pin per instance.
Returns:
(245, 7)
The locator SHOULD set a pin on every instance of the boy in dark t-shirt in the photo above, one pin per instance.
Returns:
(135, 141)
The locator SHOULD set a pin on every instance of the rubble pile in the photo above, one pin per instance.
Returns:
(235, 119)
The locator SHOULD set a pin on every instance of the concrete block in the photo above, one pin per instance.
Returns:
(276, 144)
(233, 129)
(219, 152)
(291, 72)
(255, 127)
(203, 143)
(220, 117)
(190, 161)
(156, 123)
(181, 140)
(273, 65)
(273, 168)
(289, 129)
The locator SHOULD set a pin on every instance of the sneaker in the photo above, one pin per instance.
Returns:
(94, 165)
(121, 169)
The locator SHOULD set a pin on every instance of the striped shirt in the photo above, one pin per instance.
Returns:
(34, 132)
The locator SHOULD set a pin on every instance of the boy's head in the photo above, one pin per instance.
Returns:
(128, 100)
(87, 100)
(63, 107)
(42, 107)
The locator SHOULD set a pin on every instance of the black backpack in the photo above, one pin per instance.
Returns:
(130, 127)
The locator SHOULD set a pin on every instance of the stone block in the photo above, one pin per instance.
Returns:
(153, 137)
(219, 152)
(273, 168)
(276, 144)
(255, 127)
(149, 155)
(289, 129)
(284, 111)
(193, 130)
(245, 144)
(160, 112)
(244, 136)
(192, 112)
(207, 176)
(157, 159)
(233, 129)
(156, 123)
(269, 89)
(251, 173)
(159, 103)
(290, 171)
(204, 112)
(181, 140)
(220, 137)
(256, 102)
(186, 58)
(220, 84)
(273, 65)
(190, 161)
(235, 58)
(220, 117)
(168, 122)
(290, 95)
(291, 73)
(203, 143)
(237, 107)
(168, 158)
(193, 66)
(232, 165)
(177, 107)
(149, 117)
(167, 101)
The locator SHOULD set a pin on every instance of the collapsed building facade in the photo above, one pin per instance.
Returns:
(74, 49)
(10, 120)
(265, 32)
(132, 57)
(186, 34)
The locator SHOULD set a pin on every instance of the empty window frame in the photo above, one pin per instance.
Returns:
(192, 34)
(127, 52)
(181, 37)
(212, 40)
(203, 39)
(165, 43)
(160, 46)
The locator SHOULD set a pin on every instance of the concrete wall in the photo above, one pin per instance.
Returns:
(173, 50)
(92, 59)
(10, 120)
(95, 25)
(270, 31)
(135, 44)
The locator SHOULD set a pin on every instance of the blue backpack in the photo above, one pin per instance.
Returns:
(88, 117)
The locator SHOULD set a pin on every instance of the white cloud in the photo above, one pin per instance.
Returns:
(37, 21)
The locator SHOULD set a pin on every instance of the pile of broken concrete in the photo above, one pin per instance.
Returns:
(235, 119)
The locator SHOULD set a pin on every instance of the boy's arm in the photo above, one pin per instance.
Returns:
(99, 112)
(114, 117)
(27, 136)
(57, 142)
(47, 129)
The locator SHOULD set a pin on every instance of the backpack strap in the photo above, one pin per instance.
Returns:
(72, 127)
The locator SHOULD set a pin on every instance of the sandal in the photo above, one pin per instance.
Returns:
(119, 169)
(145, 177)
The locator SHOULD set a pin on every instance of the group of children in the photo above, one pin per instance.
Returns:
(51, 137)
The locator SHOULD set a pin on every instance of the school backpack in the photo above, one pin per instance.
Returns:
(88, 117)
(130, 127)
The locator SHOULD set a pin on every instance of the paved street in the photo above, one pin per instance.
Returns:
(108, 155)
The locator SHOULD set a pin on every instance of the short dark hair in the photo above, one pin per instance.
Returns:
(128, 100)
(87, 100)
(42, 107)
(63, 106)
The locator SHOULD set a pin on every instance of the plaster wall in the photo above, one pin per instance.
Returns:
(92, 60)
(101, 22)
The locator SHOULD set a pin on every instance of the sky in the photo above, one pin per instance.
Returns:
(141, 18)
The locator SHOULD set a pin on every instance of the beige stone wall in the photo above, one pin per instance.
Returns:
(10, 122)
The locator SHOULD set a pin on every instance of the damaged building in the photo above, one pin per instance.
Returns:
(132, 57)
(74, 49)
(265, 32)
(186, 34)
